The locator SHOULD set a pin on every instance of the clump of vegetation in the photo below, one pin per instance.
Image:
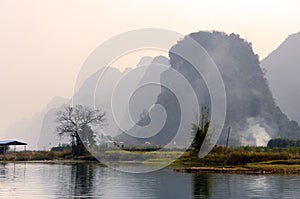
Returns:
(283, 143)
(64, 147)
(199, 131)
(142, 148)
(222, 156)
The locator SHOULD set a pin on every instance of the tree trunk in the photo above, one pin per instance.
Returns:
(73, 145)
(79, 148)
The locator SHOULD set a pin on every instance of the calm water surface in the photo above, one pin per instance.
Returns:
(34, 180)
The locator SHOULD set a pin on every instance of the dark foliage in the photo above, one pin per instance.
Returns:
(199, 130)
(283, 143)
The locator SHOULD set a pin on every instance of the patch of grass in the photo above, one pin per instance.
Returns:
(35, 155)
(240, 156)
(157, 161)
(120, 155)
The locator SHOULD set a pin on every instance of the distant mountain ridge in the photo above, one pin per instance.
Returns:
(97, 90)
(252, 113)
(29, 130)
(282, 71)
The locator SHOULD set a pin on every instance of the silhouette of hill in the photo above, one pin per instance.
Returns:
(251, 111)
(98, 91)
(29, 130)
(282, 71)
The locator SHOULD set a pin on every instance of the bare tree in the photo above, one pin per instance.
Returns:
(73, 120)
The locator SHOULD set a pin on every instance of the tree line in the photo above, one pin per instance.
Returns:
(283, 143)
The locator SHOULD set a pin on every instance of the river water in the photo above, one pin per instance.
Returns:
(83, 180)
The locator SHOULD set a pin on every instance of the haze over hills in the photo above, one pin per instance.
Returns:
(251, 111)
(252, 114)
(282, 71)
(98, 89)
(29, 130)
(84, 96)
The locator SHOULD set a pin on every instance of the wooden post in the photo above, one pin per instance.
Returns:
(15, 152)
(24, 153)
(4, 152)
(227, 137)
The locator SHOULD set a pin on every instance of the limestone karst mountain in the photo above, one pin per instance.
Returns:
(282, 71)
(252, 113)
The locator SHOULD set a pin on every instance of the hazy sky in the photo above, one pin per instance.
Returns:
(44, 42)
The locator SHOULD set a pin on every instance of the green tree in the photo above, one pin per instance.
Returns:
(75, 122)
(199, 130)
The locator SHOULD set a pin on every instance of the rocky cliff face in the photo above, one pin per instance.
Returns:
(251, 111)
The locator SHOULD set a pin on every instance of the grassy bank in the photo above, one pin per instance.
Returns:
(275, 160)
(221, 156)
(106, 155)
(248, 160)
(43, 156)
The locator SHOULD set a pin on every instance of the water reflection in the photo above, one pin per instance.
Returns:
(84, 180)
(5, 167)
(73, 180)
(82, 177)
(201, 186)
(92, 180)
(2, 170)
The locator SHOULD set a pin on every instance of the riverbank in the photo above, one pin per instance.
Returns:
(105, 155)
(247, 160)
(251, 169)
(41, 156)
(231, 170)
(242, 160)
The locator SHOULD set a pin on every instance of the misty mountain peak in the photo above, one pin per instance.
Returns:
(251, 113)
(146, 60)
(283, 69)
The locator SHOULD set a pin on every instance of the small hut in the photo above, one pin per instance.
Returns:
(11, 142)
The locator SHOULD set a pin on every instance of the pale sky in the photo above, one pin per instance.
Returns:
(44, 42)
